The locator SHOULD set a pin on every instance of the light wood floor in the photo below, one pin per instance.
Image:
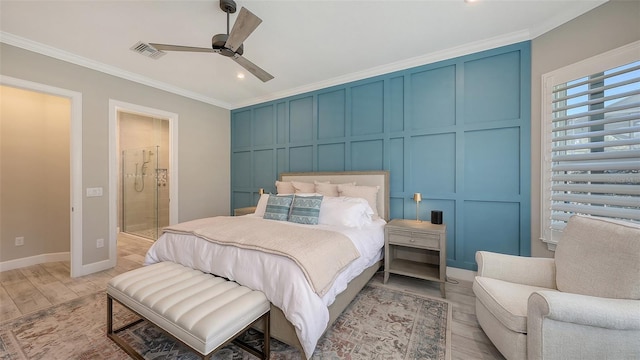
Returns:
(36, 287)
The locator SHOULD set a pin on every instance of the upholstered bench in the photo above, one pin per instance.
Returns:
(200, 310)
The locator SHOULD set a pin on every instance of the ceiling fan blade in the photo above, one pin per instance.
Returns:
(165, 47)
(252, 68)
(242, 28)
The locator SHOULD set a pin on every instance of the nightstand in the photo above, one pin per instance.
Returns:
(417, 249)
(244, 210)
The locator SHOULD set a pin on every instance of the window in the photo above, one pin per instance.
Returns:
(591, 141)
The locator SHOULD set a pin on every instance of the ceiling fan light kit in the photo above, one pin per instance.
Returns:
(229, 44)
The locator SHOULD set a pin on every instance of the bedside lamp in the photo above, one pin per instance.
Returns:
(417, 197)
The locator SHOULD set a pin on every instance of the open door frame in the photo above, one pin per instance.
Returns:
(115, 107)
(75, 151)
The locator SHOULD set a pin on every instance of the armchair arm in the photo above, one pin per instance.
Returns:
(619, 314)
(534, 271)
(563, 324)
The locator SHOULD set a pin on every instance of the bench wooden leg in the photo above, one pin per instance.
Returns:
(266, 347)
(112, 334)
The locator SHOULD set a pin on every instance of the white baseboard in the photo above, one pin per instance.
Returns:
(461, 274)
(34, 260)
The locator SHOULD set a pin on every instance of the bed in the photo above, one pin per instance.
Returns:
(308, 312)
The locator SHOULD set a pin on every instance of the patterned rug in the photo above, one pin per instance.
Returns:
(379, 324)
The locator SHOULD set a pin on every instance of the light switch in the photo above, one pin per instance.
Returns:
(92, 192)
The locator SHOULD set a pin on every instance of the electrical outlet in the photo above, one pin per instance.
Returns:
(19, 240)
(100, 243)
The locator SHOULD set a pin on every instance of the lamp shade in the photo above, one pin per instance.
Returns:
(417, 197)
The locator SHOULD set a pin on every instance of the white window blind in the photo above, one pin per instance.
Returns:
(592, 160)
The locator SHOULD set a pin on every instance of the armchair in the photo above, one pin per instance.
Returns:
(582, 304)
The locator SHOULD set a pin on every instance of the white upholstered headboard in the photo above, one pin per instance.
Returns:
(368, 178)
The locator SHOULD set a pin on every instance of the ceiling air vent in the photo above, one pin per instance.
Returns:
(147, 50)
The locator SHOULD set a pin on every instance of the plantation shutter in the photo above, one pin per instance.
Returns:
(594, 141)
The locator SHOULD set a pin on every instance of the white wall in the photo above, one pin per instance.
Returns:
(604, 28)
(204, 140)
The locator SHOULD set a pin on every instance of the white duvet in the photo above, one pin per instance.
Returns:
(278, 277)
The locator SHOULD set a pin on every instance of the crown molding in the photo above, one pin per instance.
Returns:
(55, 53)
(466, 49)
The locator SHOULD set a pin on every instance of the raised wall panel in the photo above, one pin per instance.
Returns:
(331, 114)
(433, 163)
(491, 162)
(301, 119)
(242, 169)
(396, 208)
(396, 104)
(282, 161)
(433, 98)
(242, 199)
(263, 174)
(281, 128)
(490, 226)
(396, 164)
(241, 129)
(367, 155)
(263, 125)
(301, 158)
(492, 88)
(331, 157)
(367, 108)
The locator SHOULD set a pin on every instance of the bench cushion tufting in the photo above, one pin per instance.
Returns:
(201, 310)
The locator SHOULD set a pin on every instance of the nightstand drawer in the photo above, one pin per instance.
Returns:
(412, 238)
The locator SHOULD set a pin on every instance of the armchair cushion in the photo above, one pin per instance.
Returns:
(505, 300)
(599, 257)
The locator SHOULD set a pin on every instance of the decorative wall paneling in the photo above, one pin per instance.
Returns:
(456, 131)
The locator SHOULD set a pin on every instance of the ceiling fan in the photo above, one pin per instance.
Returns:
(229, 44)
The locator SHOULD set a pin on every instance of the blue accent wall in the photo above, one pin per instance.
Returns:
(457, 131)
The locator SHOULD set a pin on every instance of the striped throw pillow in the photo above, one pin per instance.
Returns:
(305, 209)
(278, 207)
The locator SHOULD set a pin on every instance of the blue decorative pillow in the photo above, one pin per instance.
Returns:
(278, 207)
(305, 209)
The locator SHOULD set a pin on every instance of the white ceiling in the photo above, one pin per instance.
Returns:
(305, 44)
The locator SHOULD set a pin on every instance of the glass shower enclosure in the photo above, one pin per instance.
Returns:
(142, 183)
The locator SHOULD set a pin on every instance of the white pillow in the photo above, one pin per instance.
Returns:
(369, 193)
(328, 189)
(345, 211)
(262, 205)
(285, 187)
(303, 187)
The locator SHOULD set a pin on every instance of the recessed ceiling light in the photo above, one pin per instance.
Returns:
(240, 76)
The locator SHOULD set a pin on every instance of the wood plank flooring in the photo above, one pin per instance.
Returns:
(36, 287)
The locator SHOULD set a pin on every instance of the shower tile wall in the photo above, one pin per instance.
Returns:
(141, 132)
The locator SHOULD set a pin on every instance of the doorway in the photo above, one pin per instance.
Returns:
(144, 169)
(143, 185)
(65, 174)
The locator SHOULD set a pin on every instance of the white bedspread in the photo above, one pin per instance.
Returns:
(280, 278)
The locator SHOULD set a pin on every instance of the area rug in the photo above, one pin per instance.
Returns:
(380, 323)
